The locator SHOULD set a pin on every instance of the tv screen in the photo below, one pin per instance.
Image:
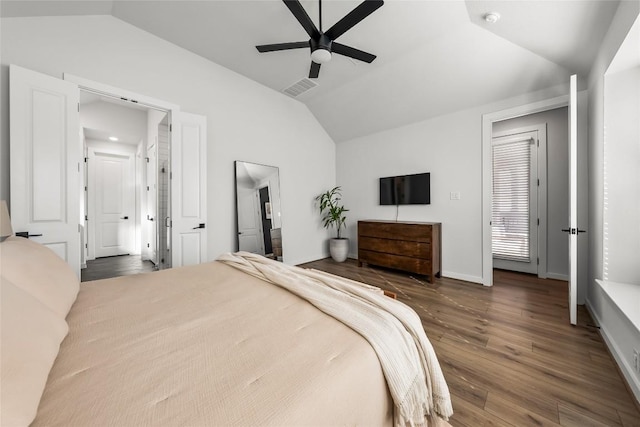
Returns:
(406, 189)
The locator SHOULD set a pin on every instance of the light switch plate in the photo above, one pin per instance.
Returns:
(454, 195)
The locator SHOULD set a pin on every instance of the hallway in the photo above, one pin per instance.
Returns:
(124, 265)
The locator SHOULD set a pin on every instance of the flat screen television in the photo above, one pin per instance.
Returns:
(406, 189)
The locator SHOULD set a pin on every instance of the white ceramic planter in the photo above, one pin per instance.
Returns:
(339, 248)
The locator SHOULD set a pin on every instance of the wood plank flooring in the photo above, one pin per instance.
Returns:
(115, 266)
(508, 352)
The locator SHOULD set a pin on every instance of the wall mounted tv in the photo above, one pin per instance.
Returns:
(406, 189)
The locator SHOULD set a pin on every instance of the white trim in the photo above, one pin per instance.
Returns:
(120, 150)
(463, 277)
(487, 120)
(102, 89)
(123, 94)
(625, 368)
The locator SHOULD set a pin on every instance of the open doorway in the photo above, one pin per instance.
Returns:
(125, 191)
(530, 194)
(578, 132)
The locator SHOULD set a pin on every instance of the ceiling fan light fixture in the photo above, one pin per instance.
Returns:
(321, 56)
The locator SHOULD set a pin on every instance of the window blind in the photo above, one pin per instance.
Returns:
(511, 193)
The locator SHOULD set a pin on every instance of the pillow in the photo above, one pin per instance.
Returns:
(39, 271)
(31, 337)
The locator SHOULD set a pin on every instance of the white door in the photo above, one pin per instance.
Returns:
(45, 161)
(573, 201)
(188, 189)
(152, 205)
(114, 203)
(515, 202)
(249, 223)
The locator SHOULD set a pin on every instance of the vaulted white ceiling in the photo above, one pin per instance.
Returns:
(433, 57)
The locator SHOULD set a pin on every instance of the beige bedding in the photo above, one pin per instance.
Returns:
(209, 345)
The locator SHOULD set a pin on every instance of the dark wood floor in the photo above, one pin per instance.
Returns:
(124, 265)
(508, 352)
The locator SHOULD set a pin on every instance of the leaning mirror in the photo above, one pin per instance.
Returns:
(258, 219)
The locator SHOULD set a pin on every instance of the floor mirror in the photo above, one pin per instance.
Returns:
(259, 222)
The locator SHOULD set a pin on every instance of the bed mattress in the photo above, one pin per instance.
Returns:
(209, 345)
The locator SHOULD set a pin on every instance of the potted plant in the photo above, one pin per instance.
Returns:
(332, 212)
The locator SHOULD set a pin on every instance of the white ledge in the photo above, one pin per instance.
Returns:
(626, 296)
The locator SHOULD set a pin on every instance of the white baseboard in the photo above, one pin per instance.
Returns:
(298, 261)
(557, 276)
(625, 368)
(464, 277)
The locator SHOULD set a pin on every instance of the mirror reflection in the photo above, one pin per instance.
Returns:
(258, 209)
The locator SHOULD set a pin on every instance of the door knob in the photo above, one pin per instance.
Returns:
(573, 230)
(125, 217)
(201, 225)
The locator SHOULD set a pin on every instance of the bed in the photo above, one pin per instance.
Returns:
(219, 343)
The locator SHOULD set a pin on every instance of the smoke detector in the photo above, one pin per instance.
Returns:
(491, 17)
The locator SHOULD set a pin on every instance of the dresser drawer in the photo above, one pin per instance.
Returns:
(396, 231)
(396, 247)
(415, 265)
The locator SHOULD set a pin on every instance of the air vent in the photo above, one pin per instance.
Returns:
(300, 87)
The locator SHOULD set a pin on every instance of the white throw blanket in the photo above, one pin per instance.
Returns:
(394, 330)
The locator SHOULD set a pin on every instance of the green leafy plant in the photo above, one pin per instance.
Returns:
(331, 210)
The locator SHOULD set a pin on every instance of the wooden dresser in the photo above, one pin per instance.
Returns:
(407, 246)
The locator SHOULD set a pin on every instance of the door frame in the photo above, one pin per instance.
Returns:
(541, 192)
(124, 95)
(487, 169)
(91, 195)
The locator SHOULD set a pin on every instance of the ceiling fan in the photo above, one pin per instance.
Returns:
(322, 44)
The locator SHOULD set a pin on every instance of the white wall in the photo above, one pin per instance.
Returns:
(621, 217)
(615, 327)
(245, 120)
(557, 182)
(449, 147)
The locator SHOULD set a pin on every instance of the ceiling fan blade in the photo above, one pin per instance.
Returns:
(364, 9)
(281, 46)
(352, 52)
(314, 72)
(303, 18)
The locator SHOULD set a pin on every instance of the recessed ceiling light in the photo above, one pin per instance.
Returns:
(492, 17)
(113, 138)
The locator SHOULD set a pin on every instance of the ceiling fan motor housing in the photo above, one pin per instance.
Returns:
(323, 42)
